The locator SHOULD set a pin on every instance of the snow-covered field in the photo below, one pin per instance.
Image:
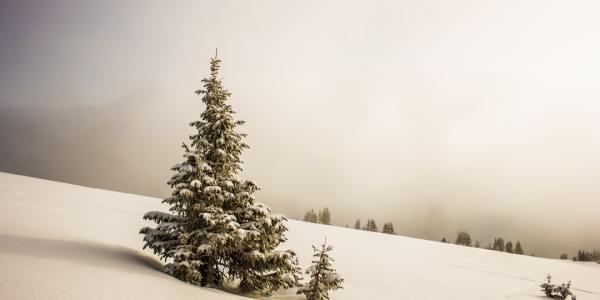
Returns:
(62, 241)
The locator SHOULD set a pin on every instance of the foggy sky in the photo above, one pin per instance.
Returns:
(436, 115)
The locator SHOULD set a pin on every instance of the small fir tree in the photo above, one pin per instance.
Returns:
(357, 224)
(323, 277)
(444, 240)
(477, 245)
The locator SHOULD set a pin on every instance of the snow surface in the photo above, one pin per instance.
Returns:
(62, 241)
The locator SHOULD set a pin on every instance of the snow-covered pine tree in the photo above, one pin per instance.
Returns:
(193, 233)
(323, 277)
(216, 229)
(556, 291)
(254, 259)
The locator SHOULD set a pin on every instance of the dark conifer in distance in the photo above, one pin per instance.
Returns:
(325, 216)
(509, 247)
(519, 248)
(463, 238)
(388, 228)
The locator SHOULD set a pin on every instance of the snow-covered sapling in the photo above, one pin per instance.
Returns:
(547, 286)
(323, 277)
(557, 291)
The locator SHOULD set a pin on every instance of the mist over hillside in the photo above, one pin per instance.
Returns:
(129, 145)
(436, 116)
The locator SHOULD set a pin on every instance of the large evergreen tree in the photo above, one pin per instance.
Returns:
(193, 233)
(216, 229)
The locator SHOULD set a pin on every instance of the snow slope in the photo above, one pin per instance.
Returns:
(62, 241)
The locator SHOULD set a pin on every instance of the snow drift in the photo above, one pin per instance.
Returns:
(62, 241)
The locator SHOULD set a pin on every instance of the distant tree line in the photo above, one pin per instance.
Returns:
(323, 216)
(583, 255)
(499, 245)
(464, 238)
(372, 226)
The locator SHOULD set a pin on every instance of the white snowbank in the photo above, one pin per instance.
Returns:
(62, 241)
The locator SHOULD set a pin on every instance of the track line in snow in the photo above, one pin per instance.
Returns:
(489, 272)
(586, 291)
(34, 205)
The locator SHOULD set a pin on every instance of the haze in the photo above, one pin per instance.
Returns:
(435, 115)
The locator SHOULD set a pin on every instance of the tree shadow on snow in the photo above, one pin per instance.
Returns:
(111, 257)
(82, 252)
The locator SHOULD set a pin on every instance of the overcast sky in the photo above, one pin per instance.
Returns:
(437, 115)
